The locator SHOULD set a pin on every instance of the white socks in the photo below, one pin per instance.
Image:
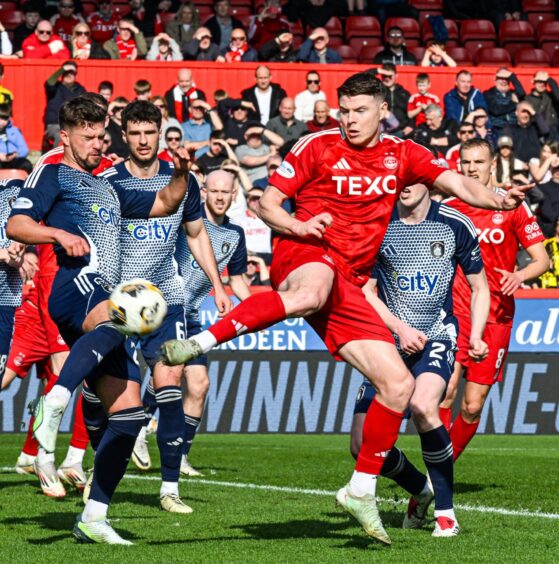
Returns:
(142, 433)
(445, 513)
(73, 456)
(94, 511)
(169, 488)
(362, 484)
(206, 341)
(44, 457)
(59, 395)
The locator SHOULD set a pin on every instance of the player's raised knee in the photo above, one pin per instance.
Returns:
(471, 409)
(305, 301)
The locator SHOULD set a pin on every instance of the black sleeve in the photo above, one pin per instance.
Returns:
(268, 50)
(518, 88)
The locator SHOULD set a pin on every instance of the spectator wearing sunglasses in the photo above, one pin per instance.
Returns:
(66, 20)
(238, 51)
(395, 51)
(315, 49)
(305, 100)
(201, 48)
(173, 140)
(83, 47)
(60, 87)
(544, 98)
(44, 44)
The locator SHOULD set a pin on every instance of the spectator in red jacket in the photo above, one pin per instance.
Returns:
(321, 118)
(267, 24)
(103, 22)
(64, 22)
(44, 44)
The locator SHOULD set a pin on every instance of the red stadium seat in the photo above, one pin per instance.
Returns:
(362, 26)
(548, 32)
(451, 26)
(8, 6)
(427, 5)
(334, 27)
(368, 53)
(409, 26)
(11, 19)
(122, 9)
(492, 56)
(550, 49)
(335, 42)
(348, 54)
(238, 11)
(235, 3)
(536, 18)
(417, 52)
(555, 59)
(358, 42)
(473, 30)
(511, 31)
(512, 48)
(461, 55)
(88, 8)
(538, 6)
(474, 46)
(530, 57)
(166, 17)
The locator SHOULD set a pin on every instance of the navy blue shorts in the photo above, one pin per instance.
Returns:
(72, 297)
(7, 314)
(173, 327)
(193, 327)
(437, 357)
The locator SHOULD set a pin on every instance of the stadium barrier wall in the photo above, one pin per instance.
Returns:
(26, 79)
(283, 381)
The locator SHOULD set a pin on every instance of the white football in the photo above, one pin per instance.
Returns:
(137, 307)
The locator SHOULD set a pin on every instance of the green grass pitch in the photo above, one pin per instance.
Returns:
(269, 498)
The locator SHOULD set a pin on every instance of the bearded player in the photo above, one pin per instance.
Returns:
(499, 235)
(346, 182)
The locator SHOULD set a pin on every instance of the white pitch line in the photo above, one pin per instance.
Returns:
(306, 491)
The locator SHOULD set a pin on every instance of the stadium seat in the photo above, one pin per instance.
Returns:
(511, 31)
(335, 42)
(427, 5)
(451, 26)
(476, 30)
(88, 8)
(12, 173)
(236, 3)
(348, 54)
(530, 57)
(417, 52)
(536, 18)
(538, 6)
(11, 19)
(409, 26)
(166, 17)
(474, 46)
(548, 32)
(512, 48)
(368, 53)
(358, 42)
(8, 6)
(461, 55)
(122, 9)
(238, 11)
(362, 26)
(555, 58)
(492, 56)
(550, 49)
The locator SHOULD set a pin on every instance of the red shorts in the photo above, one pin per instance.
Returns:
(29, 343)
(347, 315)
(55, 341)
(490, 370)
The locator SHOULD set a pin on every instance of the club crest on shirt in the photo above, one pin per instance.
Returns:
(437, 249)
(498, 218)
(225, 247)
(390, 162)
(11, 201)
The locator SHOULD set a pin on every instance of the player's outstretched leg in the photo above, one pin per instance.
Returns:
(85, 356)
(257, 312)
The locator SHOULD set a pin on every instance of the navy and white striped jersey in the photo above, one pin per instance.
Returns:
(85, 205)
(416, 268)
(10, 280)
(229, 247)
(148, 245)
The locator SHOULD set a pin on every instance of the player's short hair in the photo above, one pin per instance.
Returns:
(363, 83)
(422, 77)
(97, 99)
(142, 86)
(478, 143)
(141, 111)
(80, 111)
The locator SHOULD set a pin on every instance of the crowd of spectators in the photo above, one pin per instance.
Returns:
(249, 135)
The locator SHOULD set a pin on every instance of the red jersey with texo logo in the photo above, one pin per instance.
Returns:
(102, 29)
(64, 26)
(499, 234)
(357, 186)
(416, 100)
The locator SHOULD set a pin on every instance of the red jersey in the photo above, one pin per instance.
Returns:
(417, 100)
(34, 49)
(165, 156)
(64, 26)
(499, 234)
(452, 157)
(102, 29)
(357, 186)
(47, 261)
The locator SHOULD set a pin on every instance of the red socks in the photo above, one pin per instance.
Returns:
(80, 438)
(380, 432)
(445, 415)
(257, 312)
(461, 434)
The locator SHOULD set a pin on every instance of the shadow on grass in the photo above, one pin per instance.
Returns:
(474, 488)
(152, 500)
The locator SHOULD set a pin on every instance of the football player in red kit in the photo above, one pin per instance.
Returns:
(499, 234)
(345, 182)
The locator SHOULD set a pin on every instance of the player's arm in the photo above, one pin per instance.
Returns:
(540, 263)
(411, 340)
(239, 287)
(271, 212)
(479, 313)
(168, 199)
(476, 194)
(201, 248)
